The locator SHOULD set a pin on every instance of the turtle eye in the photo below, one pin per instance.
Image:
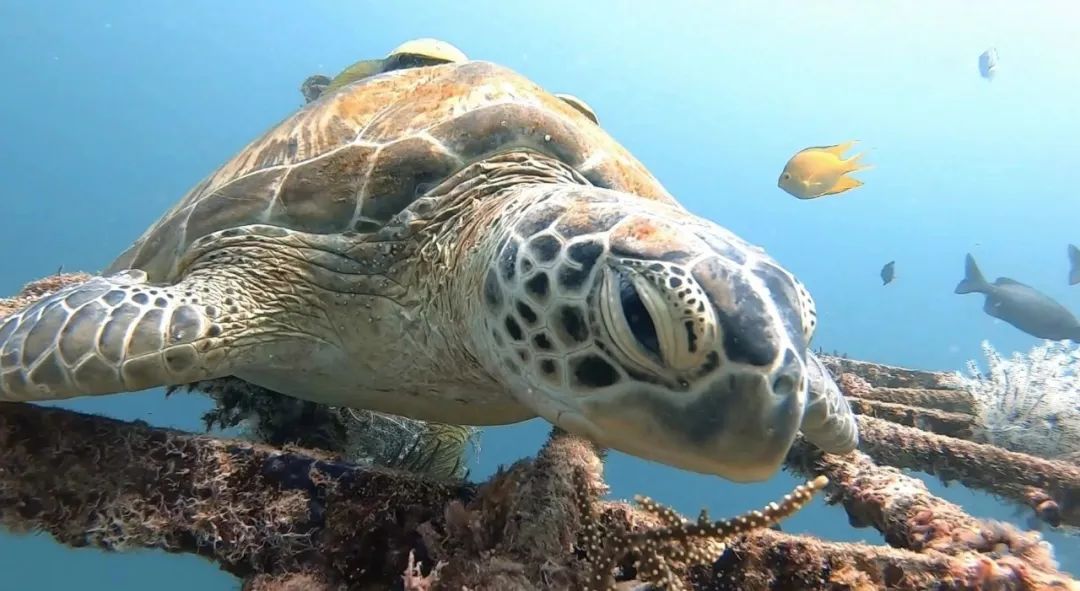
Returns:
(638, 318)
(786, 176)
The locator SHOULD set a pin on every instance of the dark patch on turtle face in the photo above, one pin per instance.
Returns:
(523, 355)
(545, 248)
(508, 259)
(547, 366)
(585, 253)
(571, 326)
(140, 298)
(500, 127)
(539, 218)
(749, 334)
(527, 314)
(492, 291)
(498, 338)
(514, 329)
(593, 371)
(571, 279)
(538, 287)
(526, 265)
(787, 301)
(551, 370)
(320, 195)
(542, 342)
(587, 220)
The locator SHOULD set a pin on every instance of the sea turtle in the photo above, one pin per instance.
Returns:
(453, 243)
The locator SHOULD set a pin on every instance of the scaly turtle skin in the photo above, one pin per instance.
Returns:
(453, 244)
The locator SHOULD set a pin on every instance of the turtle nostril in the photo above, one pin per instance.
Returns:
(789, 376)
(785, 384)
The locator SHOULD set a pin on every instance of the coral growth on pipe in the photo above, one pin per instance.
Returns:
(305, 519)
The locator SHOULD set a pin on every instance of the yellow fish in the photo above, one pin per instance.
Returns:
(819, 171)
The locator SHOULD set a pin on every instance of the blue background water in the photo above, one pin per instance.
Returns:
(110, 110)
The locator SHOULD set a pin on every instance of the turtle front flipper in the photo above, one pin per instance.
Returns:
(107, 335)
(828, 421)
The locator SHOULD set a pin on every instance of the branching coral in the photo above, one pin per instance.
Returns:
(1030, 402)
(677, 543)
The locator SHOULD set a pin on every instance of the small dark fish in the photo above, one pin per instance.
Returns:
(1022, 306)
(1074, 265)
(888, 272)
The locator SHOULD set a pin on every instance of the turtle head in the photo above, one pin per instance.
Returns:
(650, 331)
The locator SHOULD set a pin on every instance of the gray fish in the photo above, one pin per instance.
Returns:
(988, 64)
(888, 272)
(1074, 265)
(1022, 306)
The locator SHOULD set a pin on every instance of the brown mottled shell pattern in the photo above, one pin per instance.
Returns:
(355, 157)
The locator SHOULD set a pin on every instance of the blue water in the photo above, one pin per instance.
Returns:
(110, 110)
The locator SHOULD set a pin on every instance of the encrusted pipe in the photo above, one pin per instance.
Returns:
(766, 559)
(946, 400)
(1051, 487)
(93, 481)
(953, 424)
(907, 514)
